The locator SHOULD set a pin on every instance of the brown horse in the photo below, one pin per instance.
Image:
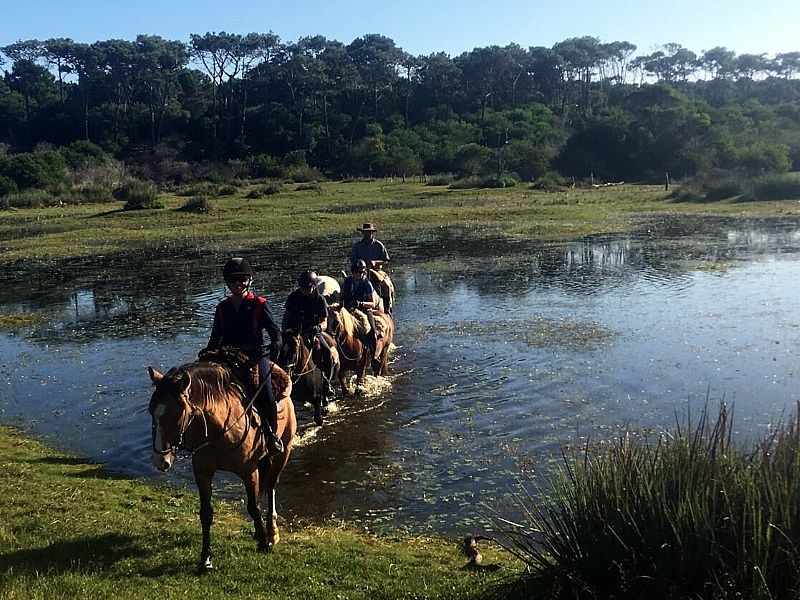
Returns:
(350, 333)
(202, 407)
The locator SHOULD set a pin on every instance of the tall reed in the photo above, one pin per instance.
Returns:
(689, 514)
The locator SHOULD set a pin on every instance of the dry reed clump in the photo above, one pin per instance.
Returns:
(687, 515)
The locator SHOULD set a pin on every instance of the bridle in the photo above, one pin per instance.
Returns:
(337, 331)
(194, 411)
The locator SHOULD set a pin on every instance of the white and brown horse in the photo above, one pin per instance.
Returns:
(202, 407)
(350, 332)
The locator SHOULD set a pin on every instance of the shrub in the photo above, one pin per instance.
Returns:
(303, 174)
(138, 195)
(440, 179)
(550, 182)
(34, 169)
(227, 190)
(724, 188)
(200, 204)
(82, 154)
(473, 181)
(309, 187)
(90, 195)
(776, 187)
(267, 189)
(7, 185)
(503, 181)
(703, 517)
(263, 165)
(688, 192)
(29, 199)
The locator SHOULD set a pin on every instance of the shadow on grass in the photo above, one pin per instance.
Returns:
(91, 470)
(73, 555)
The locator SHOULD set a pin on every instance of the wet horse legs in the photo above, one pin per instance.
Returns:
(203, 480)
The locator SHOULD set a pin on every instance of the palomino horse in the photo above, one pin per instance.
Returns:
(350, 334)
(305, 367)
(202, 407)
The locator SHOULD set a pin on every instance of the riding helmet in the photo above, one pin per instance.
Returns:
(307, 278)
(237, 266)
(358, 265)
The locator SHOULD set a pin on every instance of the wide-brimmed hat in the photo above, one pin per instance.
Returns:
(366, 227)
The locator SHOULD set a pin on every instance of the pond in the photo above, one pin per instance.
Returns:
(508, 350)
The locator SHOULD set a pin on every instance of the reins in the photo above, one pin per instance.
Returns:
(196, 409)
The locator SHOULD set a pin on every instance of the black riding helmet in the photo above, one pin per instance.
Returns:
(237, 266)
(358, 266)
(307, 278)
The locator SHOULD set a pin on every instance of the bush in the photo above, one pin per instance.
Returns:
(138, 195)
(303, 174)
(34, 169)
(440, 179)
(267, 189)
(688, 192)
(227, 190)
(724, 189)
(309, 187)
(775, 187)
(200, 204)
(82, 154)
(29, 199)
(503, 181)
(90, 195)
(691, 510)
(263, 165)
(550, 182)
(465, 183)
(7, 186)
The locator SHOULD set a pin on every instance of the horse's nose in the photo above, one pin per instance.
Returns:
(162, 462)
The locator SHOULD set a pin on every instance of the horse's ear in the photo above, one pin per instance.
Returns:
(155, 376)
(185, 381)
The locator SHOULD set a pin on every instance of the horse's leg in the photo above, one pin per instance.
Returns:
(251, 483)
(203, 480)
(271, 480)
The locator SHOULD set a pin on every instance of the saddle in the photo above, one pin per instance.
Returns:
(245, 370)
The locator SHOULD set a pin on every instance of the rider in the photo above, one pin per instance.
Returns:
(358, 294)
(239, 321)
(368, 249)
(306, 312)
(374, 253)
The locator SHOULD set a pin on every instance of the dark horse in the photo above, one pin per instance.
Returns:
(304, 366)
(350, 334)
(203, 407)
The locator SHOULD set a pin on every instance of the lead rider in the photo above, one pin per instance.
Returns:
(239, 322)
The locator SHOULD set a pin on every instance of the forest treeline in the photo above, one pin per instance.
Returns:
(367, 108)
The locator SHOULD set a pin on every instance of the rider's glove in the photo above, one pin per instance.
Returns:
(314, 330)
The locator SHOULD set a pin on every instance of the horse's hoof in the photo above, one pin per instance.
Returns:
(318, 419)
(205, 566)
(264, 547)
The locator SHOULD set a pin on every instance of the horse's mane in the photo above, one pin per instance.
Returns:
(210, 383)
(351, 325)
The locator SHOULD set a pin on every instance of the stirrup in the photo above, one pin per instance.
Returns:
(274, 444)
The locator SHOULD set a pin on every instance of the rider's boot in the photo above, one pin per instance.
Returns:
(268, 409)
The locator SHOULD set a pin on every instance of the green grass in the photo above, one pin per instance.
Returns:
(690, 510)
(59, 232)
(69, 529)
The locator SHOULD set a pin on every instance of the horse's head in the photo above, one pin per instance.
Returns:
(171, 413)
(335, 320)
(291, 351)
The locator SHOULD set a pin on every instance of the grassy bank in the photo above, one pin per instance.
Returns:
(68, 529)
(235, 221)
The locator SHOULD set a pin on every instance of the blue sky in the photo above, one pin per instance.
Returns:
(420, 26)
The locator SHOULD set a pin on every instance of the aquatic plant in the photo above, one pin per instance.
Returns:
(689, 514)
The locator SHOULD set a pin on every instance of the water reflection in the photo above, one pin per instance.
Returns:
(508, 350)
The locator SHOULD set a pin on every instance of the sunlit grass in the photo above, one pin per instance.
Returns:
(237, 221)
(69, 529)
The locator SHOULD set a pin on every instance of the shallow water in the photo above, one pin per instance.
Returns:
(508, 350)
